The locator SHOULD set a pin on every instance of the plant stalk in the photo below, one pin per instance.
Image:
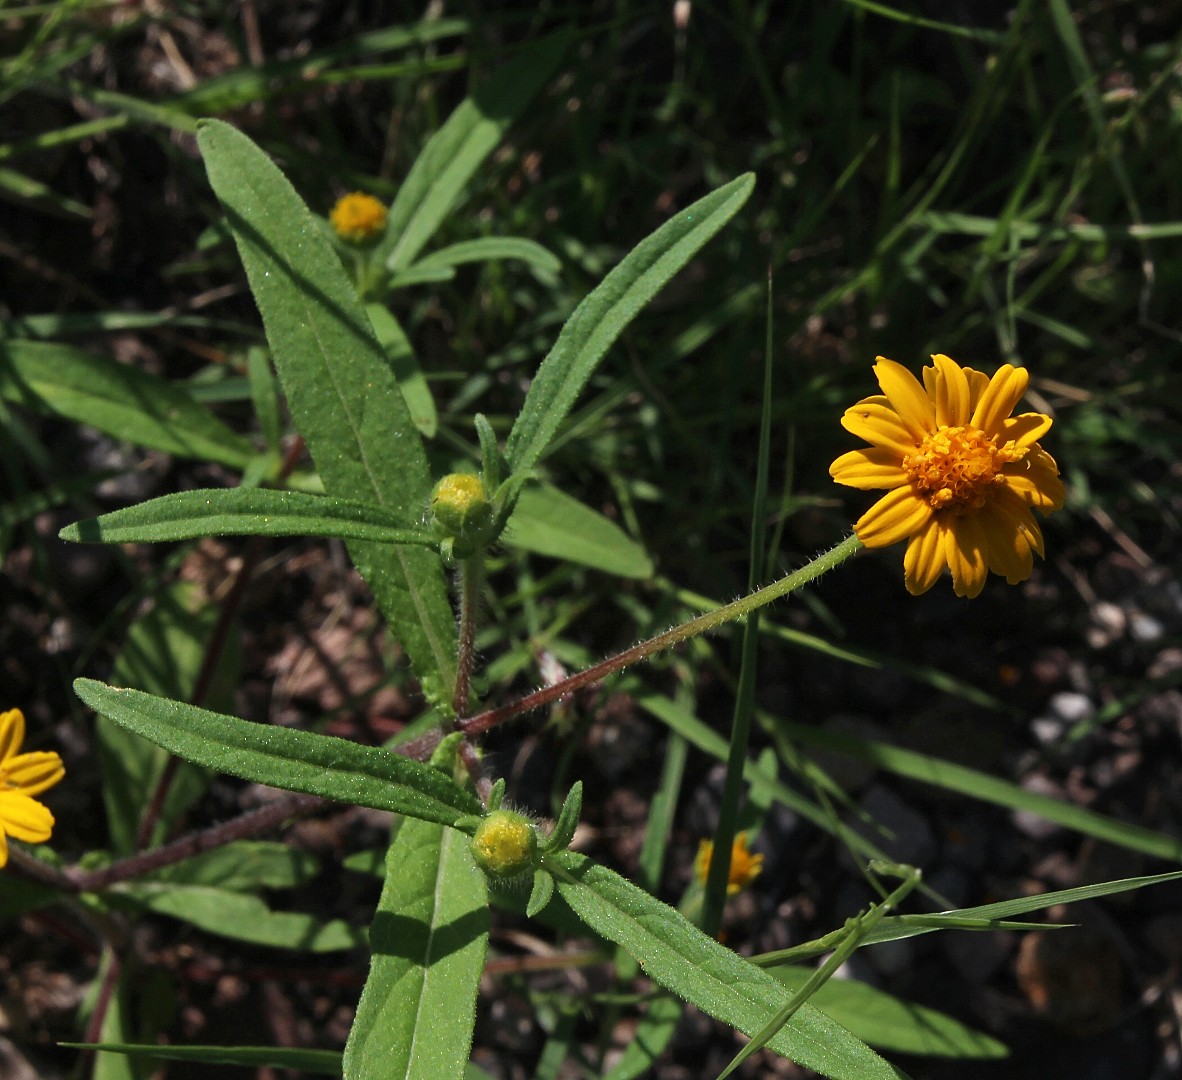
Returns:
(702, 624)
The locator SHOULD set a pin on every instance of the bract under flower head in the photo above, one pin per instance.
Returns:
(962, 473)
(21, 777)
(745, 864)
(358, 218)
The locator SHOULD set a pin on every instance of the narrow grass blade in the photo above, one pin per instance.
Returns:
(979, 785)
(602, 316)
(188, 515)
(985, 917)
(320, 1062)
(342, 394)
(17, 187)
(680, 720)
(717, 879)
(429, 938)
(456, 150)
(285, 757)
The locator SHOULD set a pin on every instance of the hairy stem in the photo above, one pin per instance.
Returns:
(701, 625)
(471, 576)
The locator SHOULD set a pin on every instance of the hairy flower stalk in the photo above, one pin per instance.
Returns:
(962, 474)
(737, 609)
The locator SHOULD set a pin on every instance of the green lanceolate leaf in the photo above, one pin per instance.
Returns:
(602, 316)
(118, 399)
(405, 365)
(429, 938)
(679, 957)
(454, 153)
(240, 916)
(188, 515)
(486, 249)
(284, 757)
(549, 522)
(540, 893)
(567, 821)
(242, 866)
(342, 393)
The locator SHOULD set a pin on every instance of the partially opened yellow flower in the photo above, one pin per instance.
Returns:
(21, 777)
(358, 218)
(962, 473)
(745, 864)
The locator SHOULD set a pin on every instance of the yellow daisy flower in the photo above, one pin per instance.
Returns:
(745, 865)
(358, 218)
(21, 777)
(962, 473)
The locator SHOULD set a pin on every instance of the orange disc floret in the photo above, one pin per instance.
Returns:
(358, 218)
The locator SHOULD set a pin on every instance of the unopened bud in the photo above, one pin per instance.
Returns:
(505, 845)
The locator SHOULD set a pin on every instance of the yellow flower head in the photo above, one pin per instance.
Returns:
(961, 473)
(358, 218)
(505, 844)
(745, 865)
(21, 777)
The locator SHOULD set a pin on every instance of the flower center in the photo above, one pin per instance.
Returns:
(954, 467)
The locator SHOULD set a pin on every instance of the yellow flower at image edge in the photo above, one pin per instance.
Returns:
(745, 865)
(358, 218)
(21, 777)
(962, 473)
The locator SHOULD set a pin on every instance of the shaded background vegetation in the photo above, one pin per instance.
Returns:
(1000, 185)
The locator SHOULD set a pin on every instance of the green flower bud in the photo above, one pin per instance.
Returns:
(505, 845)
(462, 514)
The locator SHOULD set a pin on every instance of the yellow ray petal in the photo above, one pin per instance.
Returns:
(877, 467)
(12, 733)
(964, 548)
(952, 392)
(33, 773)
(907, 397)
(24, 818)
(896, 516)
(1004, 391)
(877, 422)
(1023, 521)
(1037, 488)
(924, 561)
(1009, 551)
(1025, 430)
(978, 383)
